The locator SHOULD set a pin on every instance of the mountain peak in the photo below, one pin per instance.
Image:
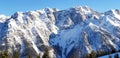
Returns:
(15, 15)
(75, 32)
(113, 12)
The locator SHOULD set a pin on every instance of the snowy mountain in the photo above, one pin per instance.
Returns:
(70, 33)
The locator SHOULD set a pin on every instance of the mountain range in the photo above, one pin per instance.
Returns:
(70, 33)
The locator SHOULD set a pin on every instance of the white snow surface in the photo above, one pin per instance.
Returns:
(76, 31)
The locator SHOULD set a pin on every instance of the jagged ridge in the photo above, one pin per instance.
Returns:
(74, 32)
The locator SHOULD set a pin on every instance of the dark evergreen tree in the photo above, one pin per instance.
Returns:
(87, 56)
(38, 56)
(46, 54)
(0, 54)
(15, 54)
(93, 55)
(29, 56)
(116, 56)
(6, 54)
(109, 56)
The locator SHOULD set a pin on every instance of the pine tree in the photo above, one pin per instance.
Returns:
(87, 56)
(46, 54)
(0, 54)
(6, 54)
(116, 56)
(29, 56)
(3, 56)
(15, 54)
(38, 56)
(93, 55)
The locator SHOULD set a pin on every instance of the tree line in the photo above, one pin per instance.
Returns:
(16, 54)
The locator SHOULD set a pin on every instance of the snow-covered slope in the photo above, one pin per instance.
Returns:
(74, 32)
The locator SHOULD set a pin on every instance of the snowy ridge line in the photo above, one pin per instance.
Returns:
(74, 32)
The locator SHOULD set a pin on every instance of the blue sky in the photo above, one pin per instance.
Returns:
(8, 7)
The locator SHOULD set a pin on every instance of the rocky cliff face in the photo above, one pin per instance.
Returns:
(74, 32)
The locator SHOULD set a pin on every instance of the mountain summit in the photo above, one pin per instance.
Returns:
(71, 33)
